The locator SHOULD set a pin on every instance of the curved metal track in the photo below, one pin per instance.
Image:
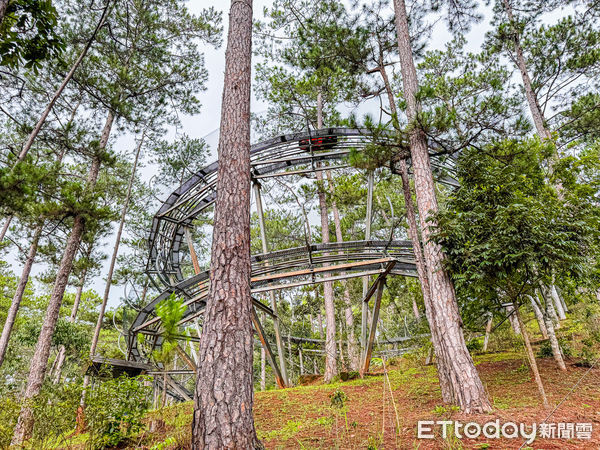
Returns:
(293, 154)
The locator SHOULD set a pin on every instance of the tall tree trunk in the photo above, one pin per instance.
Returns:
(560, 310)
(224, 395)
(37, 369)
(320, 322)
(60, 358)
(548, 307)
(460, 381)
(113, 261)
(63, 85)
(330, 351)
(263, 369)
(163, 402)
(3, 6)
(512, 317)
(531, 357)
(488, 330)
(556, 351)
(413, 233)
(16, 300)
(539, 317)
(5, 227)
(532, 100)
(353, 350)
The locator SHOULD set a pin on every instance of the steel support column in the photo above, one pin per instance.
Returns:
(265, 248)
(268, 352)
(375, 318)
(365, 306)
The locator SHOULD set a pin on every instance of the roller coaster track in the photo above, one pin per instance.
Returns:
(293, 154)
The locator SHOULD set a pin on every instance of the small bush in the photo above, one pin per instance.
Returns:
(115, 408)
(475, 345)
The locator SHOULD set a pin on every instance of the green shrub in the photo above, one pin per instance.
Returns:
(115, 408)
(475, 345)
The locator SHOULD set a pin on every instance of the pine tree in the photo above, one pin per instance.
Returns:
(224, 387)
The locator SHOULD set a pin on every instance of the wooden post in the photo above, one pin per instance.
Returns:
(374, 320)
(265, 249)
(365, 306)
(269, 354)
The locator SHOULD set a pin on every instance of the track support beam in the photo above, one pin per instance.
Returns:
(268, 352)
(365, 306)
(374, 319)
(265, 248)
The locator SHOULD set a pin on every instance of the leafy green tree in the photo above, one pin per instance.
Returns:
(28, 33)
(507, 230)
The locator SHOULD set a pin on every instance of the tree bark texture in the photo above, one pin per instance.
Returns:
(16, 300)
(488, 329)
(60, 357)
(556, 351)
(531, 357)
(538, 316)
(353, 349)
(39, 361)
(414, 235)
(459, 380)
(5, 227)
(532, 100)
(330, 350)
(224, 387)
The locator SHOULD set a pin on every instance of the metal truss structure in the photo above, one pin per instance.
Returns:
(300, 154)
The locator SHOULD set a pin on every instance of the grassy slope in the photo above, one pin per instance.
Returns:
(303, 417)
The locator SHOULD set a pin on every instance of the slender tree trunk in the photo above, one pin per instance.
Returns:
(488, 330)
(37, 370)
(63, 85)
(556, 351)
(413, 233)
(330, 351)
(60, 358)
(459, 381)
(163, 402)
(5, 227)
(113, 260)
(539, 317)
(560, 297)
(353, 350)
(341, 348)
(289, 339)
(548, 307)
(224, 387)
(513, 318)
(263, 369)
(531, 357)
(532, 100)
(301, 361)
(320, 323)
(16, 301)
(415, 308)
(3, 6)
(560, 310)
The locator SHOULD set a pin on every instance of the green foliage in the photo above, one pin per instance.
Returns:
(115, 408)
(506, 227)
(545, 350)
(28, 34)
(475, 345)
